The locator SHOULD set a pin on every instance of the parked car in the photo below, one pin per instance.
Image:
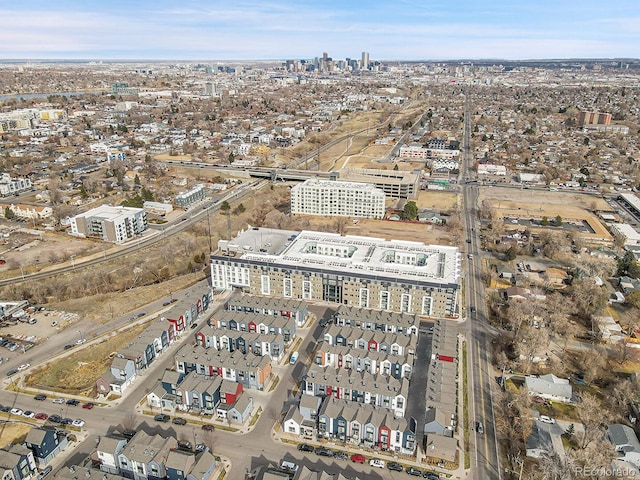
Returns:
(161, 417)
(73, 402)
(40, 397)
(546, 419)
(374, 462)
(479, 428)
(129, 434)
(78, 423)
(67, 347)
(55, 418)
(179, 421)
(28, 414)
(24, 366)
(431, 476)
(13, 371)
(201, 447)
(303, 447)
(341, 456)
(208, 427)
(88, 406)
(394, 466)
(46, 471)
(357, 458)
(413, 471)
(58, 400)
(185, 444)
(66, 421)
(54, 324)
(289, 467)
(41, 416)
(324, 452)
(16, 411)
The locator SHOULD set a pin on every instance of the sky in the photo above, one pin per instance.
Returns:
(302, 29)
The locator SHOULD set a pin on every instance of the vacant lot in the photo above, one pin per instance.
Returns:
(13, 432)
(77, 373)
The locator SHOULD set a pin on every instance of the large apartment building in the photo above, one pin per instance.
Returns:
(394, 183)
(343, 199)
(111, 224)
(366, 272)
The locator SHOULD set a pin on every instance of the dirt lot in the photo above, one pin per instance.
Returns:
(437, 200)
(13, 432)
(533, 199)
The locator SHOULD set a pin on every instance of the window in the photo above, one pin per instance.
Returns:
(426, 305)
(266, 285)
(405, 303)
(364, 298)
(384, 300)
(286, 287)
(306, 290)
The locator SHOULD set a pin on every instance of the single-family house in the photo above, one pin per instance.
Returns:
(45, 444)
(550, 387)
(17, 463)
(107, 452)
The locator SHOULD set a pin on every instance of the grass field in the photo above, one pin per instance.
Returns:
(77, 373)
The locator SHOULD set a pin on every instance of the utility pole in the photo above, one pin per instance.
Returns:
(209, 228)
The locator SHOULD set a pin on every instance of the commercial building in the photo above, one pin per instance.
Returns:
(111, 224)
(594, 118)
(343, 199)
(394, 183)
(366, 272)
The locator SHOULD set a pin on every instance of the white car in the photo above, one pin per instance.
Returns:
(28, 414)
(54, 324)
(78, 423)
(24, 366)
(16, 411)
(81, 341)
(545, 419)
(374, 462)
(59, 400)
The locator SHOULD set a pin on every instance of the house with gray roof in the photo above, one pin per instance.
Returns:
(17, 462)
(45, 444)
(550, 387)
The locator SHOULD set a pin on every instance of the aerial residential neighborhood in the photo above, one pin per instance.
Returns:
(327, 267)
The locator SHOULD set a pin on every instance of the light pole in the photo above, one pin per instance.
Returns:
(73, 262)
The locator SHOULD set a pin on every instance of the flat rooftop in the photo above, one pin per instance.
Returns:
(349, 254)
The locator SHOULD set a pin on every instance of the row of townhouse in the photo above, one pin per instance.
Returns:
(252, 371)
(441, 418)
(201, 395)
(152, 457)
(348, 422)
(155, 339)
(359, 360)
(360, 387)
(254, 322)
(277, 307)
(378, 320)
(371, 340)
(271, 345)
(17, 462)
(45, 444)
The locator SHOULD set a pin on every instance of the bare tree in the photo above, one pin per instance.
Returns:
(129, 422)
(592, 414)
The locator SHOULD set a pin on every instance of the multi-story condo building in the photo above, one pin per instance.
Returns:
(251, 322)
(13, 186)
(372, 341)
(111, 224)
(380, 320)
(343, 199)
(363, 272)
(195, 195)
(278, 307)
(360, 360)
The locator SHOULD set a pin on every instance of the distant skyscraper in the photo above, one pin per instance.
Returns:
(365, 60)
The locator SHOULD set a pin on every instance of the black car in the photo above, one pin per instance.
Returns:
(5, 409)
(40, 397)
(394, 466)
(324, 322)
(413, 471)
(55, 418)
(184, 445)
(473, 309)
(162, 418)
(179, 421)
(66, 421)
(67, 347)
(13, 371)
(73, 402)
(324, 452)
(431, 476)
(303, 447)
(166, 303)
(129, 434)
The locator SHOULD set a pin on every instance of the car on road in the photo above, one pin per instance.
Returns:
(208, 427)
(194, 325)
(28, 414)
(479, 428)
(473, 309)
(179, 421)
(41, 416)
(546, 419)
(67, 347)
(324, 452)
(341, 456)
(374, 462)
(413, 471)
(164, 304)
(58, 400)
(161, 417)
(73, 402)
(81, 341)
(431, 476)
(55, 418)
(16, 411)
(54, 324)
(78, 423)
(357, 458)
(303, 447)
(24, 366)
(394, 466)
(40, 397)
(142, 314)
(13, 371)
(88, 406)
(324, 322)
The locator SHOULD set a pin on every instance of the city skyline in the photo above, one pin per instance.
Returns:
(282, 29)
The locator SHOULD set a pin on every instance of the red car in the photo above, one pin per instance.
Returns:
(41, 416)
(358, 458)
(88, 406)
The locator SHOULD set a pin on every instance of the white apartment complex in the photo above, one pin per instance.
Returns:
(342, 199)
(111, 224)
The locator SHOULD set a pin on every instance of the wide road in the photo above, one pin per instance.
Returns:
(485, 461)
